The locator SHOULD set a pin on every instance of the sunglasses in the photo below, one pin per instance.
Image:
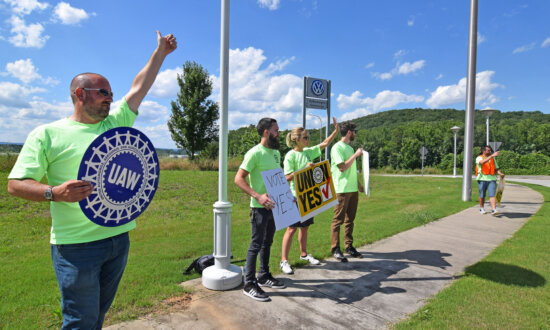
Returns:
(102, 91)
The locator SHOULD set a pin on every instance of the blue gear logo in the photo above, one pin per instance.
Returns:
(123, 166)
(317, 87)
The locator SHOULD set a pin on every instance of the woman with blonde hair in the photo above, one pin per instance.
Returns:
(296, 159)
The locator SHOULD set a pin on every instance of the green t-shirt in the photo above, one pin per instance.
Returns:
(344, 182)
(56, 150)
(297, 160)
(257, 160)
(485, 177)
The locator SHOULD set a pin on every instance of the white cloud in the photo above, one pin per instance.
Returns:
(439, 76)
(452, 94)
(166, 84)
(26, 35)
(370, 65)
(524, 48)
(269, 4)
(69, 15)
(366, 105)
(546, 42)
(401, 69)
(410, 21)
(25, 7)
(253, 89)
(25, 71)
(400, 53)
(480, 38)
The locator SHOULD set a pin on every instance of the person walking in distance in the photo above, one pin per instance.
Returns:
(486, 170)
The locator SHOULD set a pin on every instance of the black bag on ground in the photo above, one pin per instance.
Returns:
(200, 264)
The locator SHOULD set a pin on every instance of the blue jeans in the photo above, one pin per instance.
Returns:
(487, 185)
(88, 275)
(262, 227)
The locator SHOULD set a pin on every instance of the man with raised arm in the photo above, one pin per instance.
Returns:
(88, 259)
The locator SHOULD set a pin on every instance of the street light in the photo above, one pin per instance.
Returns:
(320, 128)
(488, 113)
(455, 130)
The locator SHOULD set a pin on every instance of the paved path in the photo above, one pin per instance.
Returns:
(394, 279)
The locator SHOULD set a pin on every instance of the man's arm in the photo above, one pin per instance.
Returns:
(347, 164)
(483, 161)
(70, 191)
(146, 77)
(240, 181)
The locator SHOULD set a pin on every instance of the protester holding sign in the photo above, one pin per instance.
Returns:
(296, 159)
(262, 157)
(344, 172)
(88, 259)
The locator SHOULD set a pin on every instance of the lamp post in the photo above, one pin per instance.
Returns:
(223, 275)
(455, 130)
(488, 113)
(320, 128)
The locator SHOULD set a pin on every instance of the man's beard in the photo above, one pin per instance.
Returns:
(273, 142)
(352, 137)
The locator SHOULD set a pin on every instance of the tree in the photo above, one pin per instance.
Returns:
(192, 123)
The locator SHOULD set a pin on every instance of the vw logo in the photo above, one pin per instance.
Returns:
(317, 87)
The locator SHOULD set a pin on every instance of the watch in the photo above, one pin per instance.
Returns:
(48, 194)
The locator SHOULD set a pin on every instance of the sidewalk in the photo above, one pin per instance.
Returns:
(395, 277)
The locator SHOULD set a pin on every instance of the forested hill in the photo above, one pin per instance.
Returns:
(393, 118)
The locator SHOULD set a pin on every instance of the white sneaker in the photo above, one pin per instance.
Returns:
(310, 258)
(285, 266)
(494, 212)
(482, 211)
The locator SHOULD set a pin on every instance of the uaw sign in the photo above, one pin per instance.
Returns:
(314, 190)
(122, 165)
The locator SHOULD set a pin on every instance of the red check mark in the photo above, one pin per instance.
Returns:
(325, 191)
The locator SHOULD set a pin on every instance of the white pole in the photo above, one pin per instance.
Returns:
(470, 105)
(223, 275)
(455, 130)
(487, 125)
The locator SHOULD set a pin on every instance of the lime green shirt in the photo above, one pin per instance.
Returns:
(56, 150)
(257, 160)
(297, 160)
(485, 177)
(344, 182)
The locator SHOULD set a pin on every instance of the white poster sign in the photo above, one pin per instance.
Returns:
(366, 172)
(285, 211)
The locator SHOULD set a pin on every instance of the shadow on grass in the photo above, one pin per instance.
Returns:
(506, 274)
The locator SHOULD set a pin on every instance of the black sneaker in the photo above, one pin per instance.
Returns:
(336, 253)
(271, 282)
(252, 290)
(353, 252)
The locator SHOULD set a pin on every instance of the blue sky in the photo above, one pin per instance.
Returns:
(379, 55)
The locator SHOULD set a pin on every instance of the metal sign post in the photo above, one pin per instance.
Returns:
(423, 153)
(317, 96)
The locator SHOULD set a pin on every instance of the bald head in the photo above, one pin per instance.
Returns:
(84, 80)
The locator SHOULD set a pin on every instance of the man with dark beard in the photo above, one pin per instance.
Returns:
(344, 174)
(262, 157)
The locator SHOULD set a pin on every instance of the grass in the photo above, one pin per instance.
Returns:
(177, 228)
(508, 289)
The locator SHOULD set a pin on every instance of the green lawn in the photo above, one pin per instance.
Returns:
(508, 289)
(176, 228)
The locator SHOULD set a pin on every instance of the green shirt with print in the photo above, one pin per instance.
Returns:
(344, 182)
(297, 160)
(56, 150)
(485, 177)
(257, 160)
